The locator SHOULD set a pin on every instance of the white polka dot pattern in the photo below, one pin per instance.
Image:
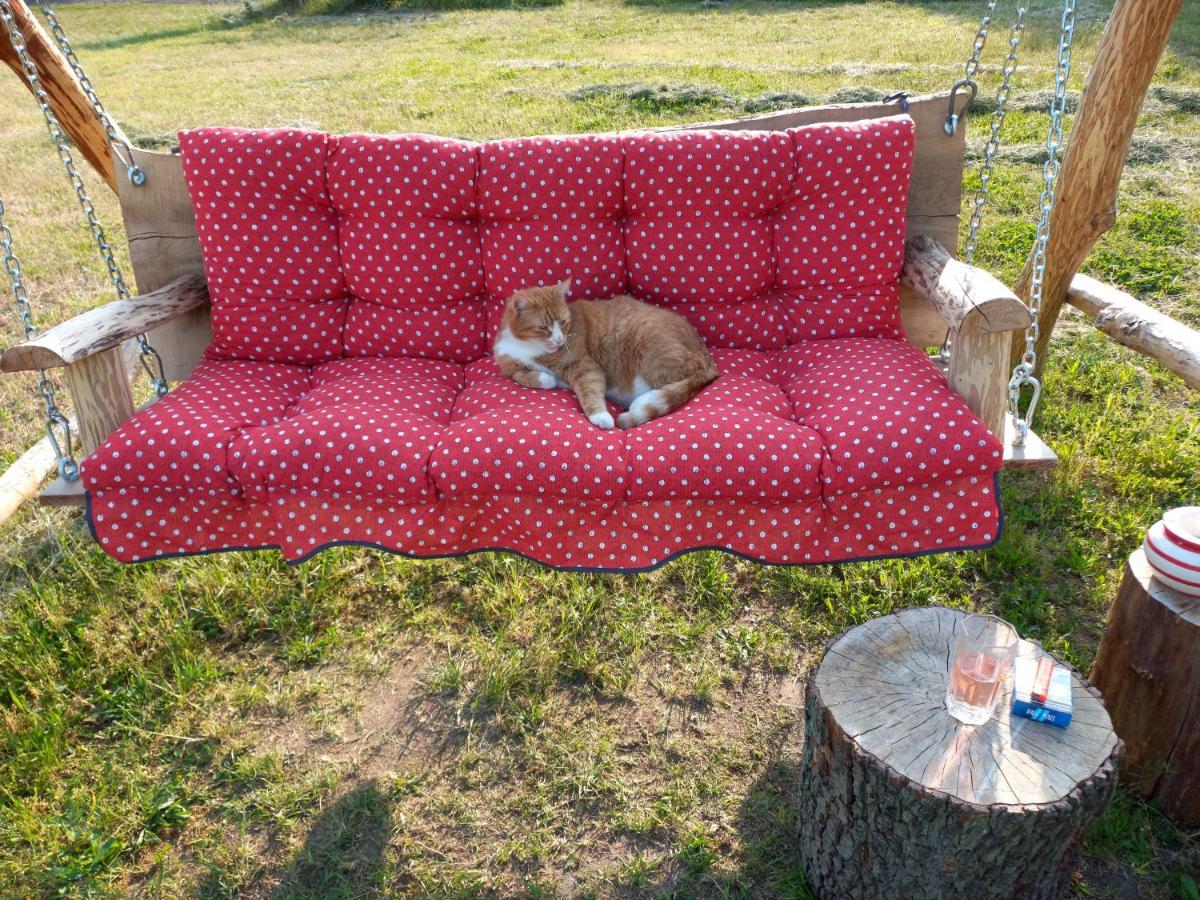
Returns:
(318, 247)
(349, 396)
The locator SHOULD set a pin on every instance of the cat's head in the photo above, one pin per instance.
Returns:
(540, 314)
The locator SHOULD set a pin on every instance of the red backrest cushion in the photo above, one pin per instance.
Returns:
(318, 247)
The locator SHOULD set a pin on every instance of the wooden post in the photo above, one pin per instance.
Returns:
(99, 387)
(67, 99)
(1086, 203)
(979, 311)
(897, 799)
(1149, 670)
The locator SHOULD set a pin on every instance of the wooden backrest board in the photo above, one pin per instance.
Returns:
(161, 226)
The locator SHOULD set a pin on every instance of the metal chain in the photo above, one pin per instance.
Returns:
(981, 37)
(993, 142)
(136, 176)
(58, 429)
(1023, 372)
(989, 155)
(1015, 31)
(151, 361)
(968, 80)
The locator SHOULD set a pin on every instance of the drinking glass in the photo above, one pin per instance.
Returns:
(984, 650)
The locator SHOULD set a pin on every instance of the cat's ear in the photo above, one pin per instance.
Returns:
(562, 289)
(520, 303)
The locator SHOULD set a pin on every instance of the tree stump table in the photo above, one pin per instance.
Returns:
(898, 799)
(1149, 670)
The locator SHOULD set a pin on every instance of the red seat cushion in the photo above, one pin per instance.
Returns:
(365, 427)
(885, 414)
(182, 441)
(507, 439)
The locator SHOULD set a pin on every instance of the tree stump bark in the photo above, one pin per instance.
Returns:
(1149, 670)
(898, 799)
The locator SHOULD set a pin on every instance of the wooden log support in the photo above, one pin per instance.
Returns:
(1086, 198)
(21, 480)
(99, 387)
(106, 326)
(67, 99)
(897, 799)
(1135, 325)
(1149, 670)
(978, 310)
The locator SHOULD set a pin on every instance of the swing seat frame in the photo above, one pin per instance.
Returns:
(939, 293)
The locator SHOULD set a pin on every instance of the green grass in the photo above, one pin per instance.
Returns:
(363, 724)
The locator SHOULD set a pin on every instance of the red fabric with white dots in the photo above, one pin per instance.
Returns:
(349, 395)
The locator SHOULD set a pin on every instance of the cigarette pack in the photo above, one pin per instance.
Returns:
(1056, 708)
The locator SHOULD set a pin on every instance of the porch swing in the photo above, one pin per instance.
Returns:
(327, 303)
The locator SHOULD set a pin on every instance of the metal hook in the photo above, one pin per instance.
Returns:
(901, 97)
(1022, 423)
(67, 467)
(953, 117)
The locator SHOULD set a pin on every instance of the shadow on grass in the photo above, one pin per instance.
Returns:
(346, 7)
(343, 856)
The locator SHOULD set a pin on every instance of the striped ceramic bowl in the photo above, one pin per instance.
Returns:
(1173, 550)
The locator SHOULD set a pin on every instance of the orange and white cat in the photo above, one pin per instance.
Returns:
(646, 359)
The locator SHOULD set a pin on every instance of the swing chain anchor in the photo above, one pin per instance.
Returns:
(136, 176)
(1023, 371)
(952, 116)
(68, 468)
(972, 66)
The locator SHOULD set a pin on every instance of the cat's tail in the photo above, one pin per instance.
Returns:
(667, 398)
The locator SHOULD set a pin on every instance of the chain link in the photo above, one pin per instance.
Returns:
(981, 37)
(151, 361)
(1016, 30)
(1023, 373)
(136, 176)
(58, 429)
(967, 82)
(993, 142)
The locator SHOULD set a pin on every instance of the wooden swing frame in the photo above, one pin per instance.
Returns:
(985, 319)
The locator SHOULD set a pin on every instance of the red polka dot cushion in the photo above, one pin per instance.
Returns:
(349, 396)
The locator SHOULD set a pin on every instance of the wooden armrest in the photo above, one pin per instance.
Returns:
(967, 298)
(106, 326)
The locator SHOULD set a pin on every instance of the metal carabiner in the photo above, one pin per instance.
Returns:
(953, 117)
(67, 467)
(1021, 424)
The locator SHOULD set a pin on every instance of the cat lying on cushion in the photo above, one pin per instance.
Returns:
(645, 359)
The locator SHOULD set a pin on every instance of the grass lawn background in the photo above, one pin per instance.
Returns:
(362, 723)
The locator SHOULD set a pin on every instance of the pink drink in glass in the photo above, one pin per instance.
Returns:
(984, 649)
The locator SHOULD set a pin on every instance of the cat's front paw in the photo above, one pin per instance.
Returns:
(603, 420)
(546, 380)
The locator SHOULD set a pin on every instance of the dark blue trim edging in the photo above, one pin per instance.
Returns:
(596, 570)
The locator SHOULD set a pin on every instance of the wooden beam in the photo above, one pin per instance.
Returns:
(106, 326)
(67, 99)
(1086, 203)
(21, 480)
(1135, 325)
(99, 387)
